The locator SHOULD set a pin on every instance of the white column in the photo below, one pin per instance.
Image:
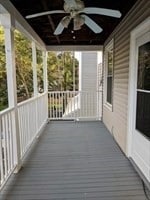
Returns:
(34, 67)
(45, 81)
(8, 24)
(74, 72)
(45, 71)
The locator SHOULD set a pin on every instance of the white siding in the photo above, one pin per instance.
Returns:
(88, 78)
(89, 71)
(116, 121)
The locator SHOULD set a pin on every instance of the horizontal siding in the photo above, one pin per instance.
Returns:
(89, 83)
(108, 118)
(89, 71)
(117, 120)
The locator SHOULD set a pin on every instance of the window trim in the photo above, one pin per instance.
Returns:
(108, 48)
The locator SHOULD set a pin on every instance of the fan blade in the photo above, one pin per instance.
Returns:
(59, 29)
(65, 21)
(92, 25)
(45, 13)
(62, 24)
(102, 11)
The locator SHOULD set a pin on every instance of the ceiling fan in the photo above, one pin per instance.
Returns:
(75, 10)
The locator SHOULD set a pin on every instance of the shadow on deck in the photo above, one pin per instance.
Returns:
(75, 161)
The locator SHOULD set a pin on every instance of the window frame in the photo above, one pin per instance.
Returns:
(109, 47)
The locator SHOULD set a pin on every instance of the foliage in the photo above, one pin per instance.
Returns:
(3, 76)
(60, 69)
(40, 77)
(23, 57)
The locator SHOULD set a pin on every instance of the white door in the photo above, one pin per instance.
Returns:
(140, 100)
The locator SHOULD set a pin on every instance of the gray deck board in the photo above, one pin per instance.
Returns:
(75, 161)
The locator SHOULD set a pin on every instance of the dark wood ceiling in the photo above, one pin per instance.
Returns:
(44, 26)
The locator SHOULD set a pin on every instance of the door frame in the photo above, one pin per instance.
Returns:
(140, 30)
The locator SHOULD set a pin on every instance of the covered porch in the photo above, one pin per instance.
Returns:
(85, 153)
(75, 161)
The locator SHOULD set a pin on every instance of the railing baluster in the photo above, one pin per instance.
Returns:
(7, 142)
(85, 108)
(56, 105)
(1, 154)
(25, 126)
(49, 110)
(88, 104)
(52, 105)
(59, 105)
(11, 140)
(22, 138)
(74, 107)
(4, 145)
(79, 104)
(67, 107)
(93, 103)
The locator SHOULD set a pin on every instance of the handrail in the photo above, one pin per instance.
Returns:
(5, 111)
(31, 99)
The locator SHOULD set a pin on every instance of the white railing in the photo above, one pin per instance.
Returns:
(74, 105)
(7, 144)
(57, 103)
(32, 116)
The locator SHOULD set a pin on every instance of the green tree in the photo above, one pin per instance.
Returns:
(60, 71)
(53, 72)
(23, 56)
(40, 77)
(3, 75)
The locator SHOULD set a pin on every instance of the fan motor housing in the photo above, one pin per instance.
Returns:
(73, 5)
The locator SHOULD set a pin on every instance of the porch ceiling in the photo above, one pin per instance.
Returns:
(44, 26)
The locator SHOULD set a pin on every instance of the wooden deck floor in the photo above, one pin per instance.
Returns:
(75, 161)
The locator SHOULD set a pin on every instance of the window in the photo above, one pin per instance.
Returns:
(143, 90)
(109, 73)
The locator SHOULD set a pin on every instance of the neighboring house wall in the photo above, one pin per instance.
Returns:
(116, 120)
(89, 71)
(88, 84)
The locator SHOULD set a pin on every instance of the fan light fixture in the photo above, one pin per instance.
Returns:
(72, 5)
(65, 21)
(78, 22)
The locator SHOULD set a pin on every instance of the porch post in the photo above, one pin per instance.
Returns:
(8, 24)
(34, 67)
(74, 72)
(45, 71)
(45, 81)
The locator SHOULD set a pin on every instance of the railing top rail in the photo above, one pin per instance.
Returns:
(90, 91)
(7, 110)
(30, 100)
(56, 92)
